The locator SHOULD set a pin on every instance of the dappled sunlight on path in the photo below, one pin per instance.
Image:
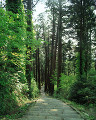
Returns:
(48, 108)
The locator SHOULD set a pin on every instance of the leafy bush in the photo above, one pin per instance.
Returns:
(34, 88)
(84, 91)
(91, 83)
(78, 92)
(13, 40)
(65, 85)
(54, 78)
(7, 101)
(24, 89)
(11, 59)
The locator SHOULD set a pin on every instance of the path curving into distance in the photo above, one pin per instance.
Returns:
(47, 108)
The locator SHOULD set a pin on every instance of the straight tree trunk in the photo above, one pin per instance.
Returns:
(52, 53)
(36, 67)
(55, 50)
(46, 72)
(39, 81)
(38, 77)
(28, 52)
(48, 64)
(59, 43)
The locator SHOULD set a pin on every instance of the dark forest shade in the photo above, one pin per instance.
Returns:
(83, 24)
(13, 5)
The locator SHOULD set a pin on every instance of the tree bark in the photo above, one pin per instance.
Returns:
(39, 81)
(52, 52)
(59, 43)
(28, 52)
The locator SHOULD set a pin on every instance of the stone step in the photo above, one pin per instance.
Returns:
(51, 109)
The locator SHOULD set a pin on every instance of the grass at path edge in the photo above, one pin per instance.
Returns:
(19, 112)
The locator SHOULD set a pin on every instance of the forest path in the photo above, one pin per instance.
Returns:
(47, 108)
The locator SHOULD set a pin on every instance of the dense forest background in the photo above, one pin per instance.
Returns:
(58, 51)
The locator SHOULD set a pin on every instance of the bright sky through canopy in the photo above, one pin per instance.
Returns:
(40, 8)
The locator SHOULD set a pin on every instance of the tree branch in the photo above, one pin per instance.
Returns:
(35, 4)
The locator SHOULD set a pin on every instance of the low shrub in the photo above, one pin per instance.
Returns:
(34, 88)
(91, 83)
(84, 91)
(65, 84)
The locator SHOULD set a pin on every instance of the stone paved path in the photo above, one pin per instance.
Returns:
(48, 108)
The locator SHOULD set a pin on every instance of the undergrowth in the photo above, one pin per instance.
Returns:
(18, 109)
(79, 94)
(18, 112)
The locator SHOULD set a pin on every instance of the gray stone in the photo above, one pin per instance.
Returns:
(47, 108)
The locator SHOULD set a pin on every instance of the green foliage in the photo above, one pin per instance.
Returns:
(15, 108)
(24, 89)
(78, 92)
(91, 84)
(65, 84)
(34, 89)
(84, 91)
(13, 38)
(54, 78)
(81, 91)
(7, 101)
(80, 65)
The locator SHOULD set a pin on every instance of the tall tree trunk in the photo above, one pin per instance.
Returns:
(59, 43)
(36, 67)
(45, 69)
(48, 64)
(38, 78)
(95, 49)
(55, 49)
(39, 81)
(81, 44)
(28, 52)
(46, 72)
(52, 53)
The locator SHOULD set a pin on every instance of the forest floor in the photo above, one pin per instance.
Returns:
(47, 108)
